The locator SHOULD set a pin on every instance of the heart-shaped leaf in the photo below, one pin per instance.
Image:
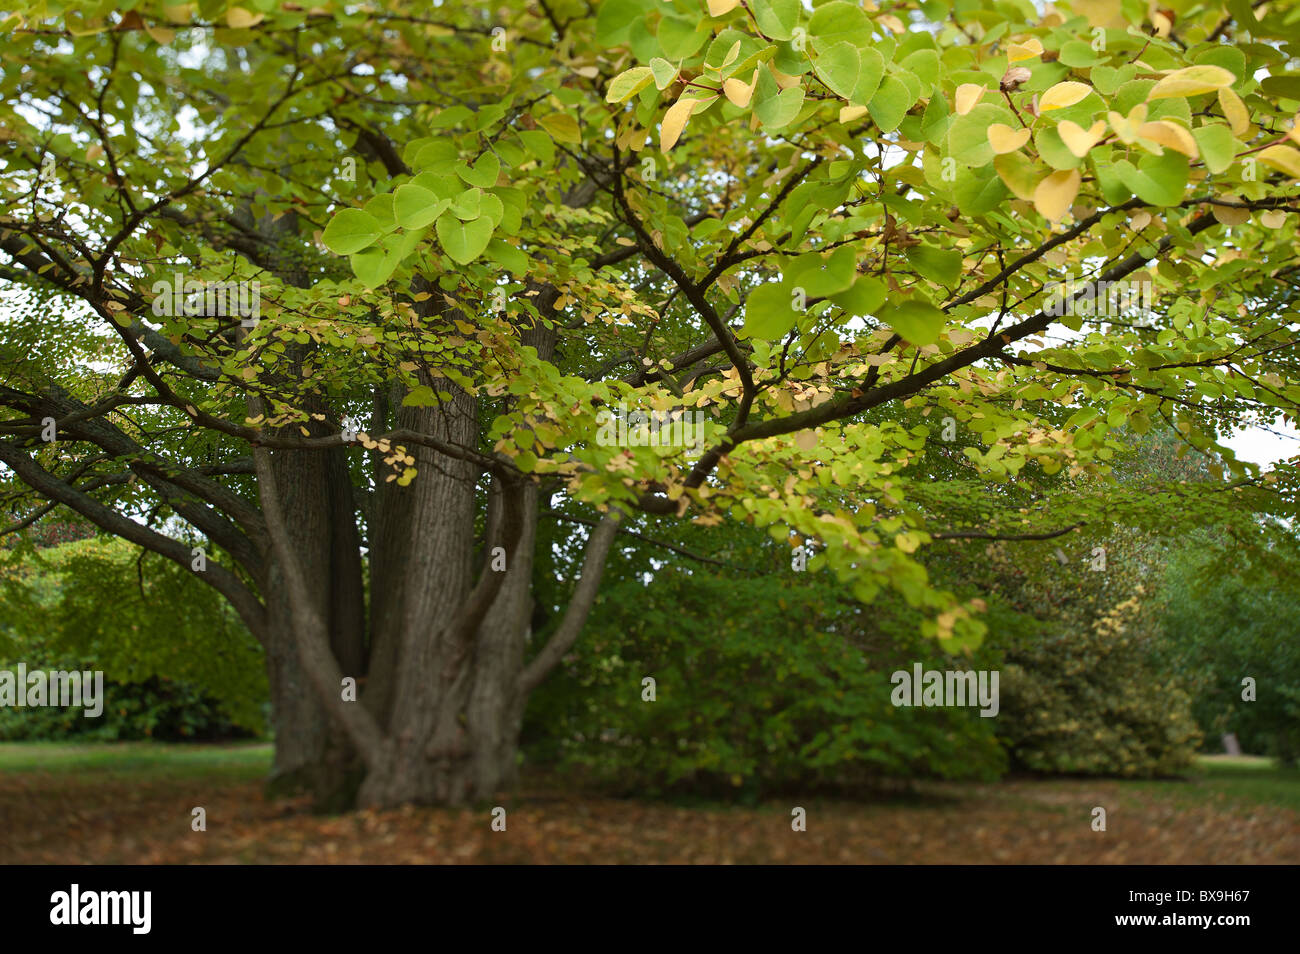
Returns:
(464, 241)
(350, 231)
(483, 173)
(414, 206)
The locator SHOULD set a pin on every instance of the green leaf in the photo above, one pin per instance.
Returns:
(376, 265)
(539, 144)
(821, 275)
(630, 82)
(380, 208)
(1158, 180)
(777, 112)
(978, 191)
(467, 205)
(890, 104)
(680, 37)
(483, 173)
(1218, 146)
(414, 206)
(838, 68)
(420, 396)
(869, 75)
(776, 18)
(1284, 85)
(937, 264)
(492, 207)
(864, 297)
(615, 20)
(935, 120)
(839, 21)
(664, 72)
(350, 231)
(464, 241)
(968, 136)
(769, 312)
(508, 256)
(915, 320)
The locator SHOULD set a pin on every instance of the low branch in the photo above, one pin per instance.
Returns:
(575, 616)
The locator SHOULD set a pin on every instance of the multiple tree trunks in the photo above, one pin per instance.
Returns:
(442, 676)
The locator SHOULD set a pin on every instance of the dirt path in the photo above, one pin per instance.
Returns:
(61, 818)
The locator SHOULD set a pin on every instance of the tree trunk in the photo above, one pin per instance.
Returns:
(312, 754)
(445, 680)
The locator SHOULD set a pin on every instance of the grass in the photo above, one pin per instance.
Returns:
(237, 762)
(1246, 780)
(1243, 779)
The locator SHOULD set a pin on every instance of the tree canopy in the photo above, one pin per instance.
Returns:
(906, 266)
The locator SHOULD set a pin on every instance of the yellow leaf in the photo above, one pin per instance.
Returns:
(1054, 194)
(968, 94)
(1230, 215)
(740, 93)
(1140, 221)
(1062, 95)
(1192, 81)
(241, 19)
(1079, 140)
(674, 122)
(1126, 126)
(1101, 13)
(94, 152)
(850, 113)
(718, 7)
(1234, 111)
(1028, 50)
(1283, 158)
(1018, 180)
(907, 542)
(1273, 219)
(561, 126)
(1005, 139)
(784, 80)
(1172, 135)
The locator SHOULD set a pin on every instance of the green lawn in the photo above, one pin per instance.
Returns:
(141, 759)
(1244, 779)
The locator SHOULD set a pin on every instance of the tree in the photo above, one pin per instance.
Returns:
(1226, 620)
(359, 293)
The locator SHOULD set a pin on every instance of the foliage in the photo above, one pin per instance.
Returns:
(177, 663)
(1090, 700)
(1226, 616)
(838, 200)
(790, 690)
(835, 232)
